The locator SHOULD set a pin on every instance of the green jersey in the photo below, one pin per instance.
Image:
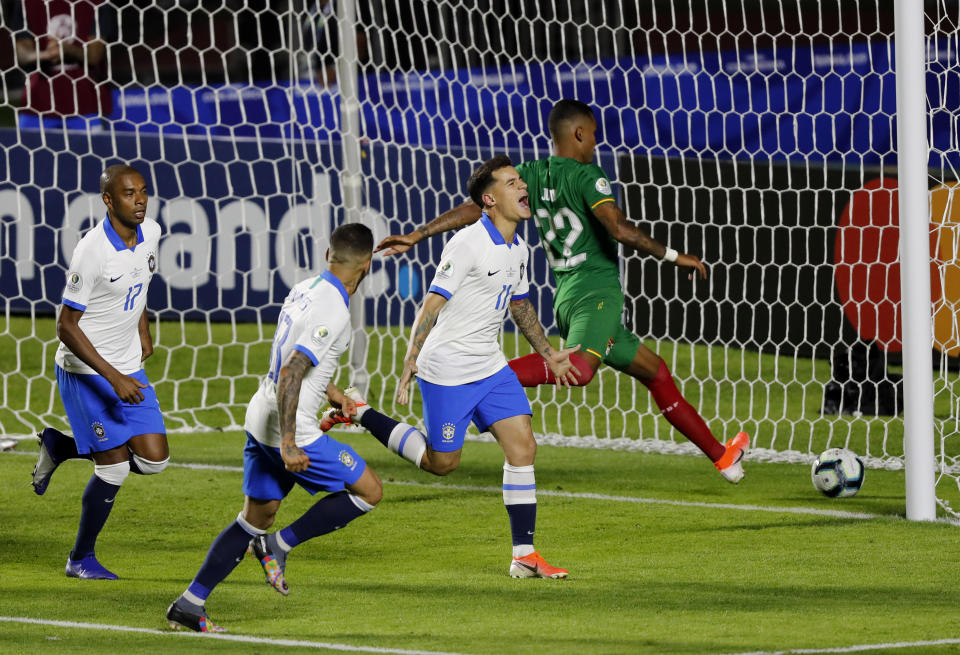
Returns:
(563, 195)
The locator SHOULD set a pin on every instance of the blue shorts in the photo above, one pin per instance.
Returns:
(333, 466)
(99, 419)
(448, 410)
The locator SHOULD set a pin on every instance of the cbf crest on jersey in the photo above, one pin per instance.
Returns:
(74, 282)
(603, 186)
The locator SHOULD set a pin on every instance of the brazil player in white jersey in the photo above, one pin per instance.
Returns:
(104, 339)
(455, 354)
(285, 445)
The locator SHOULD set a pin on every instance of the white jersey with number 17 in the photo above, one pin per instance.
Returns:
(314, 320)
(108, 281)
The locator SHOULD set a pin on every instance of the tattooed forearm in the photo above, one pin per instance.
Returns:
(461, 215)
(288, 392)
(423, 323)
(525, 316)
(644, 243)
(421, 330)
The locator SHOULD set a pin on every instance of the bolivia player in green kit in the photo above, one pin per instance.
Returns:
(580, 225)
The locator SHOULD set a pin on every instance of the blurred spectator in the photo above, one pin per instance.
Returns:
(61, 45)
(321, 38)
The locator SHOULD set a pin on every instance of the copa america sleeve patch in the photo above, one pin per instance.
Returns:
(445, 270)
(602, 185)
(74, 282)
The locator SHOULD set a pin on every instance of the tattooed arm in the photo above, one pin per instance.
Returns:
(461, 215)
(422, 324)
(615, 222)
(288, 398)
(525, 316)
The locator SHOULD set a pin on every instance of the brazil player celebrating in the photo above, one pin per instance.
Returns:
(580, 225)
(104, 338)
(455, 354)
(285, 446)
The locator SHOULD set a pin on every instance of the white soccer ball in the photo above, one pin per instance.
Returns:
(837, 473)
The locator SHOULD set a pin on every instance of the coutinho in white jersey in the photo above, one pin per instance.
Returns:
(108, 282)
(479, 274)
(315, 320)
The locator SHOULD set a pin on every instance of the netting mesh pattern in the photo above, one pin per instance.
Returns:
(762, 140)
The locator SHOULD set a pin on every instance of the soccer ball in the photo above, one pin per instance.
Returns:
(837, 473)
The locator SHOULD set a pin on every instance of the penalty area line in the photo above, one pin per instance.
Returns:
(220, 636)
(833, 513)
(860, 648)
(811, 511)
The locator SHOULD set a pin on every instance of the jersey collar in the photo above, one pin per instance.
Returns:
(494, 233)
(115, 239)
(338, 285)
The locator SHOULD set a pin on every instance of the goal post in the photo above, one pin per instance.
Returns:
(913, 156)
(764, 139)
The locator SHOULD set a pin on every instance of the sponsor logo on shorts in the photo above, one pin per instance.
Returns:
(603, 186)
(445, 270)
(447, 431)
(347, 460)
(74, 282)
(99, 431)
(320, 334)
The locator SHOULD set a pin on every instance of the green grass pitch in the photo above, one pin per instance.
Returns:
(707, 568)
(665, 556)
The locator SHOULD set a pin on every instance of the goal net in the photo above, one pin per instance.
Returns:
(761, 140)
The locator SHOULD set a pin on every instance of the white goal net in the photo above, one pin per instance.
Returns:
(760, 139)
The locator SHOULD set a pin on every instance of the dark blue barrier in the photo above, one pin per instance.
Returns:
(832, 103)
(243, 220)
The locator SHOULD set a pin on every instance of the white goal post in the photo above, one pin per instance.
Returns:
(771, 141)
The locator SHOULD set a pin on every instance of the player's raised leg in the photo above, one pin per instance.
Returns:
(652, 371)
(55, 449)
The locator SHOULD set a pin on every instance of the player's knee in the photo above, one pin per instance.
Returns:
(150, 467)
(113, 474)
(441, 467)
(373, 495)
(585, 371)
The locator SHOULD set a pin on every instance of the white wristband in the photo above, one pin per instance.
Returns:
(671, 255)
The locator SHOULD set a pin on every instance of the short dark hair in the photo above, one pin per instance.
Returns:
(351, 241)
(482, 178)
(565, 110)
(111, 173)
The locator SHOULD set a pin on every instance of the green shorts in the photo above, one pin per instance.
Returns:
(594, 320)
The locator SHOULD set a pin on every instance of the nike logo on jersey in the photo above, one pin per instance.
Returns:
(109, 500)
(114, 279)
(493, 272)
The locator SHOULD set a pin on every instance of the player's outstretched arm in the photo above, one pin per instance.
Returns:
(126, 387)
(615, 222)
(460, 216)
(525, 316)
(288, 399)
(422, 324)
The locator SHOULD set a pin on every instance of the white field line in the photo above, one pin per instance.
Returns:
(221, 636)
(832, 513)
(855, 649)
